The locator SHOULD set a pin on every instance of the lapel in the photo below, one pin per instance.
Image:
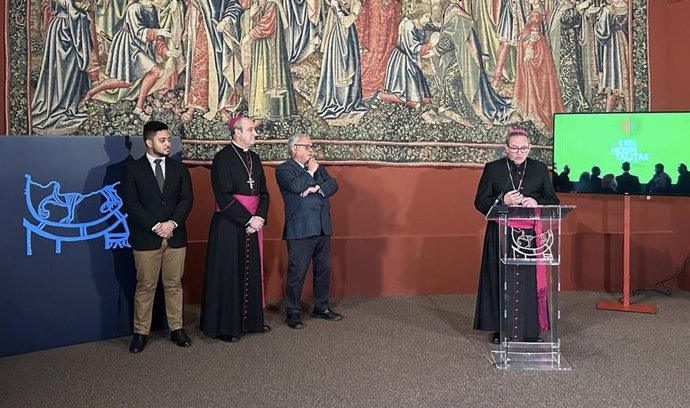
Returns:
(298, 167)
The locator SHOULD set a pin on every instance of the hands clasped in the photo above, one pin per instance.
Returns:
(165, 229)
(255, 224)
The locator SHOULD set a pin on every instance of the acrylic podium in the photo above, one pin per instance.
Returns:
(529, 250)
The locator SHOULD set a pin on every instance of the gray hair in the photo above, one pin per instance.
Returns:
(292, 141)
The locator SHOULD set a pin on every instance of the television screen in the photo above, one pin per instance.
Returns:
(616, 153)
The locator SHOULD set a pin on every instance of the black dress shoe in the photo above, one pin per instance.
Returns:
(180, 338)
(266, 328)
(496, 338)
(138, 343)
(294, 321)
(229, 339)
(328, 314)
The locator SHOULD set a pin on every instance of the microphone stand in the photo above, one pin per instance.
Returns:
(502, 209)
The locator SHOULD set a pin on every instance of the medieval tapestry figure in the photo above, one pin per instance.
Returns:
(271, 95)
(63, 78)
(339, 91)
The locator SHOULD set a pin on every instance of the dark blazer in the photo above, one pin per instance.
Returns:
(627, 183)
(305, 216)
(146, 206)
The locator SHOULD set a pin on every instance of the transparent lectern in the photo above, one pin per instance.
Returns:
(530, 257)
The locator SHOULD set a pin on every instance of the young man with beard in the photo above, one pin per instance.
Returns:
(157, 197)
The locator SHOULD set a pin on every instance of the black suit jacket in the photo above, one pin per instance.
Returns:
(305, 216)
(627, 183)
(146, 206)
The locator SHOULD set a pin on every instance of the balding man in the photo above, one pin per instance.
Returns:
(233, 298)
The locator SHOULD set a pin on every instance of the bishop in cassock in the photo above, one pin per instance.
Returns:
(517, 180)
(233, 299)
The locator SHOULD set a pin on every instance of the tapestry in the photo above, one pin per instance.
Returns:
(386, 82)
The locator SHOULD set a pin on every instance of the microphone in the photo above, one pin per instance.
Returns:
(498, 199)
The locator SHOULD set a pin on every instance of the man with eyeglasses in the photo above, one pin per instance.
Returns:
(306, 188)
(513, 180)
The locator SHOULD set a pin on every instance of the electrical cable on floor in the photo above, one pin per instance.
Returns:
(664, 289)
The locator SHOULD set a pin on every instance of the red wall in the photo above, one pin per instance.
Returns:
(414, 230)
(668, 44)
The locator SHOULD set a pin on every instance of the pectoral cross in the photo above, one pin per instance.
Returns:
(251, 183)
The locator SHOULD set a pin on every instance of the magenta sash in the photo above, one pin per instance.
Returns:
(251, 203)
(541, 271)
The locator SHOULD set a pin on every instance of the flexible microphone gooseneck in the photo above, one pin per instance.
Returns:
(498, 199)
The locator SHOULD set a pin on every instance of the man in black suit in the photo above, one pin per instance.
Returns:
(306, 187)
(627, 183)
(157, 196)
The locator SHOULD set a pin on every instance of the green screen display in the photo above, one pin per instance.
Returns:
(606, 140)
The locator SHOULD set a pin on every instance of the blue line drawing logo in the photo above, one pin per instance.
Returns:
(54, 216)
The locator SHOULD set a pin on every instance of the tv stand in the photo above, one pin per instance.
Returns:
(626, 306)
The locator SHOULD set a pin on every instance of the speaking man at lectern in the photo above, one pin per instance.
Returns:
(513, 180)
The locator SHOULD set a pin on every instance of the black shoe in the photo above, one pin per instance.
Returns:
(528, 339)
(181, 338)
(229, 339)
(294, 321)
(138, 343)
(496, 338)
(266, 328)
(328, 314)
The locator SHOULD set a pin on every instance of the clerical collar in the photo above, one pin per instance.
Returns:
(244, 149)
(515, 166)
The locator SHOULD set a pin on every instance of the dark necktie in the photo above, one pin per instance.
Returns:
(159, 174)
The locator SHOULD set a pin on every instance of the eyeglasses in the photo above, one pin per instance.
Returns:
(306, 146)
(523, 149)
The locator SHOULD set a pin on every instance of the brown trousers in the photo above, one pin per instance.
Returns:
(149, 264)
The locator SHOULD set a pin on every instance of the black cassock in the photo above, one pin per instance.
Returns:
(233, 292)
(496, 179)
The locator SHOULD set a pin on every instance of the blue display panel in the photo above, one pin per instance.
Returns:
(66, 269)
